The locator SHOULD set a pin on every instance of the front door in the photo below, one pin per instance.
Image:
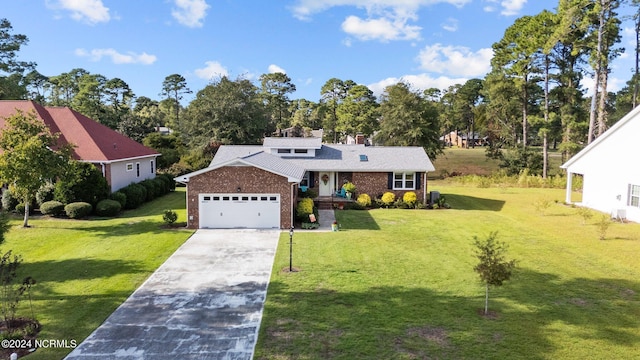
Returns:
(327, 179)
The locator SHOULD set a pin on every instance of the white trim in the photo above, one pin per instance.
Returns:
(602, 137)
(404, 181)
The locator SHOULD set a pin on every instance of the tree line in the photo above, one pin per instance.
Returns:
(533, 98)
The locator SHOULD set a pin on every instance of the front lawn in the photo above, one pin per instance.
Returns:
(86, 268)
(399, 284)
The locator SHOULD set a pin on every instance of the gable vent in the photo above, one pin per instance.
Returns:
(364, 158)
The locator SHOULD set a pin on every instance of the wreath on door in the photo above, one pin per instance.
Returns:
(325, 178)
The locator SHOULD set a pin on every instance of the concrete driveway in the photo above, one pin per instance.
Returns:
(204, 302)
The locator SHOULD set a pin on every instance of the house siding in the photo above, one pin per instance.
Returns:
(608, 170)
(118, 176)
(228, 179)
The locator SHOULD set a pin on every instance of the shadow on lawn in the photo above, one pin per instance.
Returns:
(356, 220)
(465, 202)
(77, 269)
(400, 322)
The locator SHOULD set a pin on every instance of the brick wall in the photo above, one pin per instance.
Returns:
(376, 183)
(228, 179)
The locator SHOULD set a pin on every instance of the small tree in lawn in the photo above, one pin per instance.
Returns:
(493, 268)
(30, 156)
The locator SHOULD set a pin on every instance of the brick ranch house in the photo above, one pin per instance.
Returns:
(121, 160)
(256, 186)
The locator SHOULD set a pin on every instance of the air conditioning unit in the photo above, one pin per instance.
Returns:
(434, 196)
(619, 214)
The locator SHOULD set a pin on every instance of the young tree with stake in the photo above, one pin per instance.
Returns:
(493, 268)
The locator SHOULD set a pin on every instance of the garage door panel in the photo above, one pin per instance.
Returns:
(239, 210)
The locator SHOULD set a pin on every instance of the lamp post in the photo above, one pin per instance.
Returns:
(291, 249)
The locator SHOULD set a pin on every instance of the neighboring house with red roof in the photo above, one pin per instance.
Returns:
(121, 160)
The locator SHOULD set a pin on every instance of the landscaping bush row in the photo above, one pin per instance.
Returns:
(388, 200)
(48, 198)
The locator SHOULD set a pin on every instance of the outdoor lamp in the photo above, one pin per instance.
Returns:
(291, 249)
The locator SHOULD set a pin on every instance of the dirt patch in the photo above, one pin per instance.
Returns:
(434, 335)
(578, 302)
(293, 269)
(491, 315)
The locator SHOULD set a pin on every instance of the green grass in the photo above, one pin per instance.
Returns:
(399, 284)
(86, 268)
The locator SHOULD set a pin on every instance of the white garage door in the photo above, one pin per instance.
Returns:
(225, 211)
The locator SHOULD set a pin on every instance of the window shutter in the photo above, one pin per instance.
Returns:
(312, 180)
(418, 178)
(390, 181)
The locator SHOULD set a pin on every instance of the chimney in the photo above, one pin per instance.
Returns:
(359, 139)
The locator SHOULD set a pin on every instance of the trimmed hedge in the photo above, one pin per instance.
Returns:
(119, 197)
(53, 208)
(108, 207)
(136, 195)
(78, 210)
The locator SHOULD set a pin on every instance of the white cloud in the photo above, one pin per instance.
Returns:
(116, 57)
(386, 20)
(303, 9)
(383, 29)
(273, 68)
(450, 25)
(212, 70)
(455, 60)
(512, 7)
(190, 13)
(417, 82)
(87, 11)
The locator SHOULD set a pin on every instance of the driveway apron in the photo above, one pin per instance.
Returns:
(204, 302)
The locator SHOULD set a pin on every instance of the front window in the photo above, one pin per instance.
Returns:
(404, 181)
(634, 195)
(305, 180)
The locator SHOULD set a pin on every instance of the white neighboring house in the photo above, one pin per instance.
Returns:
(611, 175)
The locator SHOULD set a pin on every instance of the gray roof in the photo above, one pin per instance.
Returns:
(293, 142)
(276, 165)
(259, 159)
(337, 157)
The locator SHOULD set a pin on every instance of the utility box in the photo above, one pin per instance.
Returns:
(434, 196)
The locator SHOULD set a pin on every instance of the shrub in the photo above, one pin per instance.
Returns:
(53, 208)
(45, 193)
(388, 198)
(108, 207)
(349, 187)
(305, 207)
(169, 217)
(9, 202)
(136, 195)
(20, 209)
(364, 200)
(310, 193)
(410, 198)
(78, 210)
(119, 197)
(83, 182)
(153, 189)
(167, 180)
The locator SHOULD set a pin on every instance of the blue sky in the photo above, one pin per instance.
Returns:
(429, 43)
